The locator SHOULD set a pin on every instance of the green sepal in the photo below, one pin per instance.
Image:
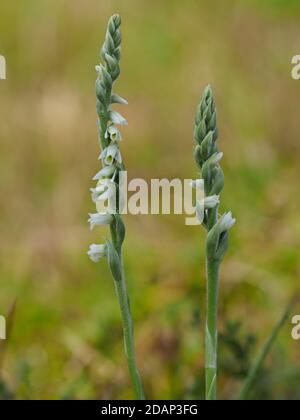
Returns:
(207, 173)
(100, 92)
(212, 242)
(200, 132)
(207, 146)
(111, 62)
(222, 246)
(117, 53)
(197, 155)
(111, 26)
(114, 262)
(216, 134)
(117, 38)
(100, 108)
(117, 20)
(106, 78)
(208, 111)
(213, 121)
(109, 44)
(218, 181)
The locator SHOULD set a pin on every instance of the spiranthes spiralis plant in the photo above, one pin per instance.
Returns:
(108, 185)
(208, 159)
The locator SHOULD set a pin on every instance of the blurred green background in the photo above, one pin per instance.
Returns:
(66, 337)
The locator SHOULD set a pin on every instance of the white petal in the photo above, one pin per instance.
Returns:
(218, 157)
(117, 118)
(118, 157)
(197, 184)
(106, 171)
(95, 252)
(227, 222)
(99, 219)
(116, 99)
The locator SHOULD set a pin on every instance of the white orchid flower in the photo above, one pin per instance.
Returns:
(96, 252)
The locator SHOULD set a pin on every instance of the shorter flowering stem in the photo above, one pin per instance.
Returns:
(211, 333)
(128, 332)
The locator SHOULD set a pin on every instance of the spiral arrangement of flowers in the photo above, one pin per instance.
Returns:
(106, 193)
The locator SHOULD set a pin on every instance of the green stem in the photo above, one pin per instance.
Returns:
(211, 332)
(129, 336)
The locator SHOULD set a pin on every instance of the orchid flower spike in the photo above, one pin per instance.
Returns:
(113, 133)
(208, 158)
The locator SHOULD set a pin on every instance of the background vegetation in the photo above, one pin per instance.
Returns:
(66, 340)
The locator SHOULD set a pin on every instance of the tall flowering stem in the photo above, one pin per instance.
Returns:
(108, 188)
(208, 159)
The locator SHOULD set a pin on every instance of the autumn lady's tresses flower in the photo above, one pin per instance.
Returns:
(208, 159)
(108, 187)
(105, 172)
(105, 189)
(97, 251)
(117, 118)
(111, 154)
(217, 238)
(99, 219)
(226, 222)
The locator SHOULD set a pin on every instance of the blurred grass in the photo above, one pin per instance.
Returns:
(66, 340)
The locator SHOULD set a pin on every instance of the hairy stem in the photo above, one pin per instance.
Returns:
(211, 333)
(123, 299)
